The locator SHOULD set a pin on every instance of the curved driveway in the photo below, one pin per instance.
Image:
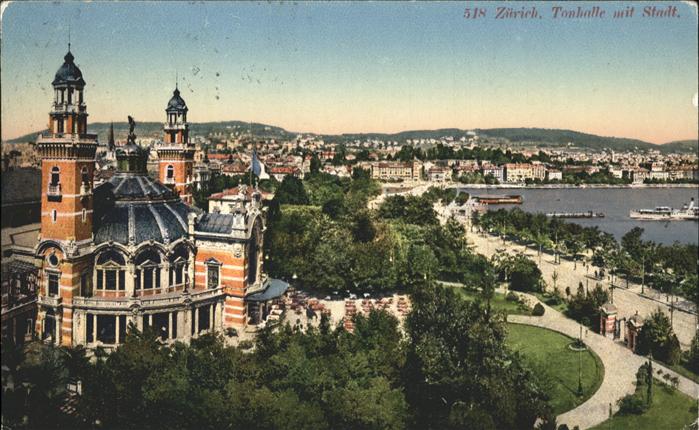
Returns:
(620, 366)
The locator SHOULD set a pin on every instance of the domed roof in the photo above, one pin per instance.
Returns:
(68, 73)
(130, 149)
(176, 103)
(135, 208)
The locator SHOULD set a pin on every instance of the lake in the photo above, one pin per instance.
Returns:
(615, 203)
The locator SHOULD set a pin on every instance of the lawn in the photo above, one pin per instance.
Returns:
(544, 297)
(671, 409)
(498, 302)
(547, 353)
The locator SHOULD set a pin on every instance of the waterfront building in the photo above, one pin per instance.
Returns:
(496, 172)
(538, 171)
(438, 174)
(554, 175)
(131, 250)
(394, 170)
(518, 172)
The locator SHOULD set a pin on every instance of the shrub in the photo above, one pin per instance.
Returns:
(245, 344)
(538, 310)
(631, 404)
(512, 297)
(553, 301)
(675, 381)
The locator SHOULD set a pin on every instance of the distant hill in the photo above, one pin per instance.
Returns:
(680, 146)
(155, 130)
(556, 137)
(538, 136)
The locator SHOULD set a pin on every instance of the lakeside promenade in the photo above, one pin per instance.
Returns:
(628, 301)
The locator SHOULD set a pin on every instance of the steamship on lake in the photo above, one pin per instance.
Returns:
(666, 213)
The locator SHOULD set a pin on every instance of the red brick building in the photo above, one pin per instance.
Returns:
(131, 251)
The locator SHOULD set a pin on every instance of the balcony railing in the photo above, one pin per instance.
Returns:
(50, 301)
(60, 137)
(158, 301)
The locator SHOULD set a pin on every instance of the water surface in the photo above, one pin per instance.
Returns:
(615, 203)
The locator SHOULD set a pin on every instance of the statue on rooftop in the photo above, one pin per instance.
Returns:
(132, 124)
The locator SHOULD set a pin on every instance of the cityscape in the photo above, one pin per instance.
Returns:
(186, 254)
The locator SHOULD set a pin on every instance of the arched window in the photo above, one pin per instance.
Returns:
(178, 266)
(148, 270)
(170, 172)
(55, 176)
(110, 271)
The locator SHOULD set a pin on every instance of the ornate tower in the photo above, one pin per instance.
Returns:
(67, 165)
(176, 154)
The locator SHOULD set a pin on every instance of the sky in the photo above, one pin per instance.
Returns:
(358, 67)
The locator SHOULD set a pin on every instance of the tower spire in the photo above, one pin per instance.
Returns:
(68, 37)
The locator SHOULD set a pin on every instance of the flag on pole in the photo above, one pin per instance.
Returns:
(255, 164)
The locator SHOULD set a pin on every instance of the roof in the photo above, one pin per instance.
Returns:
(609, 308)
(215, 223)
(235, 191)
(636, 320)
(68, 73)
(235, 168)
(274, 288)
(176, 103)
(136, 207)
(161, 222)
(21, 186)
(134, 186)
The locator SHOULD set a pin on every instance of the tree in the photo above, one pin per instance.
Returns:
(334, 208)
(554, 278)
(363, 228)
(525, 275)
(456, 357)
(291, 191)
(316, 164)
(631, 242)
(658, 338)
(693, 354)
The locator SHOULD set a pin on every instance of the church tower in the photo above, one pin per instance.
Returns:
(67, 155)
(176, 154)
